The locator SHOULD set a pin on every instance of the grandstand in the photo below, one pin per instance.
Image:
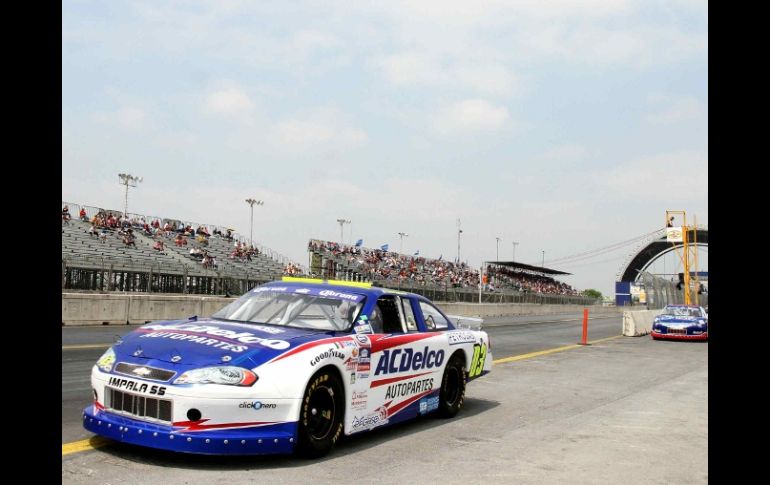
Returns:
(104, 261)
(419, 274)
(106, 251)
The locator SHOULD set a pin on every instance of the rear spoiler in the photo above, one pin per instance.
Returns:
(469, 323)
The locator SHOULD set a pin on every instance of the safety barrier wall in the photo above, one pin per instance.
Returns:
(513, 309)
(98, 309)
(638, 322)
(121, 308)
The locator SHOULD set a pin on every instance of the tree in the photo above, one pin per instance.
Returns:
(591, 293)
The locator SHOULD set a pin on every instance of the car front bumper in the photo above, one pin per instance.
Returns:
(255, 440)
(677, 336)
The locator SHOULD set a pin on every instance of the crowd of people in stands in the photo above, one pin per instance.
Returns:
(528, 282)
(377, 264)
(292, 269)
(105, 223)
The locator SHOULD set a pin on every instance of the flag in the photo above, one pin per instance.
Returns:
(417, 253)
(439, 258)
(384, 247)
(359, 243)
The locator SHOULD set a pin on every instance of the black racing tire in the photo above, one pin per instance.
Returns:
(321, 415)
(452, 393)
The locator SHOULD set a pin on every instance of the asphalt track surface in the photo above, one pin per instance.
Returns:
(579, 415)
(82, 346)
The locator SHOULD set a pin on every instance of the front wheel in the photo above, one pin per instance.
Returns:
(320, 419)
(452, 393)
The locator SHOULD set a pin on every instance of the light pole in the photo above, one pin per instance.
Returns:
(401, 235)
(514, 250)
(342, 223)
(497, 255)
(542, 265)
(129, 181)
(251, 202)
(459, 231)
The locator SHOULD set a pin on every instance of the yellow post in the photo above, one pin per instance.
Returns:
(685, 256)
(695, 257)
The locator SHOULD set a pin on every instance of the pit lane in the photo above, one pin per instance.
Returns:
(585, 415)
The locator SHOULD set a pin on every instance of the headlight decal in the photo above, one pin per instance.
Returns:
(227, 375)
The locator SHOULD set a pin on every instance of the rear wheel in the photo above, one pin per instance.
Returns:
(452, 393)
(320, 419)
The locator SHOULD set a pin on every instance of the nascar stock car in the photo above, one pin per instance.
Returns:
(681, 322)
(287, 367)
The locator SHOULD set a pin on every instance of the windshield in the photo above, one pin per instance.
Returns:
(309, 308)
(682, 311)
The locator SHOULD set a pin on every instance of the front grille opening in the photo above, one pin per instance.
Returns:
(148, 408)
(144, 372)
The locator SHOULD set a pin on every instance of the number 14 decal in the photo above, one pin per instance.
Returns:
(479, 357)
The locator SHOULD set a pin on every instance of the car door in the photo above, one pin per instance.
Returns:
(402, 369)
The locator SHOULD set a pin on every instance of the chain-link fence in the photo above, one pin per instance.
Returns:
(660, 292)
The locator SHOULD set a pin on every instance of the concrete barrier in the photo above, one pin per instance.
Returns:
(513, 309)
(638, 322)
(122, 308)
(119, 309)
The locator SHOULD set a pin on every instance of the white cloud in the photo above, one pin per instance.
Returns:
(410, 68)
(675, 177)
(470, 115)
(425, 69)
(568, 153)
(228, 101)
(130, 118)
(323, 128)
(675, 110)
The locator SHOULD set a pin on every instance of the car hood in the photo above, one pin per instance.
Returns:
(669, 319)
(201, 342)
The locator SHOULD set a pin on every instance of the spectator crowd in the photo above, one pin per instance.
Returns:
(377, 264)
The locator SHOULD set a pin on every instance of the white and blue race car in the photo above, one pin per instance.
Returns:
(287, 367)
(681, 322)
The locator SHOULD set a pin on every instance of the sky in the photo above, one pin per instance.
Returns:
(564, 126)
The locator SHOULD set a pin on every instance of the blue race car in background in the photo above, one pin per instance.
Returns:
(681, 322)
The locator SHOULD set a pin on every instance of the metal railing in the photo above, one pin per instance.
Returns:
(660, 292)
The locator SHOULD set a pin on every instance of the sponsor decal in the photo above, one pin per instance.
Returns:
(342, 296)
(364, 359)
(477, 362)
(428, 404)
(242, 337)
(404, 360)
(327, 354)
(106, 360)
(360, 329)
(302, 290)
(363, 341)
(359, 400)
(257, 405)
(121, 383)
(278, 289)
(460, 337)
(369, 421)
(352, 377)
(351, 364)
(408, 388)
(363, 375)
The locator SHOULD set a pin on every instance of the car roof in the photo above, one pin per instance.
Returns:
(360, 288)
